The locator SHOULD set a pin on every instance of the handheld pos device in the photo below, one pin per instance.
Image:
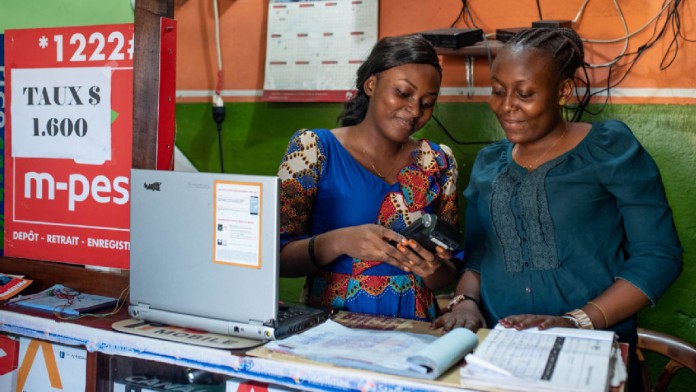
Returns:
(429, 231)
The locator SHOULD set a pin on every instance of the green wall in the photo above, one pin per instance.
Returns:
(22, 14)
(255, 136)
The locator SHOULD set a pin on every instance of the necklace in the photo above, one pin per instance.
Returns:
(533, 165)
(374, 168)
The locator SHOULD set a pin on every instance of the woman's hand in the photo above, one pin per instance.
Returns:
(373, 242)
(465, 314)
(421, 261)
(541, 321)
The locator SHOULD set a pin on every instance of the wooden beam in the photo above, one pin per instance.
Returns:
(146, 79)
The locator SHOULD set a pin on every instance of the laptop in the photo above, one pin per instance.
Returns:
(205, 254)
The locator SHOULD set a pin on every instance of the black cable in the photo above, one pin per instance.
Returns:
(461, 13)
(222, 161)
(219, 117)
(447, 132)
(674, 42)
(468, 12)
(673, 18)
(684, 36)
(539, 10)
(465, 12)
(584, 100)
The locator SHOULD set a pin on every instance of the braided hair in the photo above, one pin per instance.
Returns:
(563, 45)
(388, 53)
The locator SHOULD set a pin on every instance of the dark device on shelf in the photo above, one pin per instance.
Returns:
(429, 231)
(504, 35)
(453, 38)
(552, 23)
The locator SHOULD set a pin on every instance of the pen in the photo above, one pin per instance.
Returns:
(472, 359)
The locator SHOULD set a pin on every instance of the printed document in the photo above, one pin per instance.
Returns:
(559, 359)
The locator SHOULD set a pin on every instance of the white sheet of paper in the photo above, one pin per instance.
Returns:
(318, 46)
(556, 359)
(238, 223)
(62, 113)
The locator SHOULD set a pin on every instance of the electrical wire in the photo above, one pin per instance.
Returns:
(449, 135)
(626, 39)
(684, 36)
(665, 6)
(218, 49)
(468, 12)
(672, 19)
(670, 7)
(583, 99)
(461, 13)
(218, 103)
(580, 12)
(674, 42)
(465, 12)
(120, 302)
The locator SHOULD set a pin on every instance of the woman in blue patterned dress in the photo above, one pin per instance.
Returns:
(348, 192)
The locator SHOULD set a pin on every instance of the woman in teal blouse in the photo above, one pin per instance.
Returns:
(567, 224)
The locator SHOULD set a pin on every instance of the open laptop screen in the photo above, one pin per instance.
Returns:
(205, 244)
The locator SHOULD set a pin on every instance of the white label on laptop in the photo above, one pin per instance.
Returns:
(238, 223)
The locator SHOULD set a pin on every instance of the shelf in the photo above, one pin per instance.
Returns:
(103, 343)
(480, 49)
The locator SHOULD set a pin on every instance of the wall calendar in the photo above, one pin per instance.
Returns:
(314, 48)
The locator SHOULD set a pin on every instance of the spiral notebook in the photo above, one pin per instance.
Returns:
(205, 251)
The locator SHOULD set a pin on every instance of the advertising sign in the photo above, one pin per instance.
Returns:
(69, 124)
(9, 352)
(50, 367)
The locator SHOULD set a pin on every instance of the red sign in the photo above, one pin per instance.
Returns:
(69, 144)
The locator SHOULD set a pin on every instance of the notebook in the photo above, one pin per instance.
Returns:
(205, 253)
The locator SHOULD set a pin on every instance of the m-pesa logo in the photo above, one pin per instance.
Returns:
(79, 188)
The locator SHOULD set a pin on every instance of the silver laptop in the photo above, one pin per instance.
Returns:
(205, 253)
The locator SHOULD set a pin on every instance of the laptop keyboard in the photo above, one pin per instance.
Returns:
(284, 313)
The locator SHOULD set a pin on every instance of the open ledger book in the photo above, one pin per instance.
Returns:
(557, 359)
(394, 352)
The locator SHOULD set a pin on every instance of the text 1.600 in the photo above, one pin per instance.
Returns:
(65, 127)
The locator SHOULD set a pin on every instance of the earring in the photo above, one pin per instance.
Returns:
(562, 101)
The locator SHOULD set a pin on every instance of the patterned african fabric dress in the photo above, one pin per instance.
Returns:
(324, 188)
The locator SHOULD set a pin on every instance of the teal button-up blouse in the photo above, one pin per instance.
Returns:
(549, 240)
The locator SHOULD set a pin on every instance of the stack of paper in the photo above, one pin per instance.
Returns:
(393, 352)
(557, 359)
